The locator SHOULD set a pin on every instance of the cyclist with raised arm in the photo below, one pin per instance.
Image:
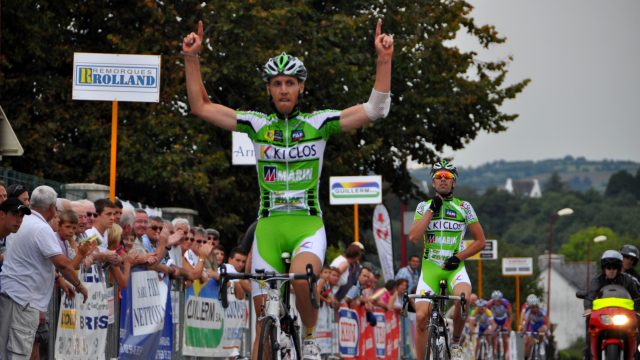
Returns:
(289, 146)
(502, 312)
(442, 223)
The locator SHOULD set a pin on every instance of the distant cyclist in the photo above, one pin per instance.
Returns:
(442, 222)
(534, 323)
(289, 146)
(502, 313)
(482, 318)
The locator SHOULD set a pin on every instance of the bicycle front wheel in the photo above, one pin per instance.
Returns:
(268, 344)
(432, 344)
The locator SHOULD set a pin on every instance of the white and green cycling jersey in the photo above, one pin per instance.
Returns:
(289, 155)
(446, 230)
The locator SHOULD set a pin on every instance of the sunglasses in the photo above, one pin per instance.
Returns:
(213, 238)
(190, 239)
(155, 228)
(201, 241)
(90, 214)
(443, 175)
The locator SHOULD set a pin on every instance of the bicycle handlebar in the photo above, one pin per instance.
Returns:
(461, 298)
(268, 276)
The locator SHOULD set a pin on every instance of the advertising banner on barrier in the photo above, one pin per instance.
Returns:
(380, 334)
(210, 330)
(145, 317)
(349, 332)
(392, 335)
(82, 328)
(324, 329)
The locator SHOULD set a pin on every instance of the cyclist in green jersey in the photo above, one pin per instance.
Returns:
(442, 223)
(289, 146)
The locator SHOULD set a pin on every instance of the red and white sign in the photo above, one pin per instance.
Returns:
(382, 235)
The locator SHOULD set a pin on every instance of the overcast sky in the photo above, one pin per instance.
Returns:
(583, 57)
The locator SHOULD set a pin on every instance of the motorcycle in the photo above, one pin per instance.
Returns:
(613, 325)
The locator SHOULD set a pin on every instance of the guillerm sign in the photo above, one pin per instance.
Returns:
(116, 77)
(347, 190)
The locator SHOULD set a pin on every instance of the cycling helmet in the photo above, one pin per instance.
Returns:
(533, 300)
(496, 295)
(444, 165)
(611, 258)
(632, 252)
(284, 64)
(481, 303)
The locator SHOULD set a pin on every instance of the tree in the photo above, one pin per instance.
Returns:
(621, 182)
(167, 157)
(554, 184)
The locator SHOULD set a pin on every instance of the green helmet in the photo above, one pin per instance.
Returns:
(444, 165)
(284, 64)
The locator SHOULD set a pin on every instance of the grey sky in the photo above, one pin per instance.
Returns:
(583, 57)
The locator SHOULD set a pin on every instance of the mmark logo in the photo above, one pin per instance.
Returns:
(450, 213)
(269, 173)
(117, 76)
(355, 189)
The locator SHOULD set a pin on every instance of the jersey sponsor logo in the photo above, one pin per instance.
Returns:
(450, 213)
(300, 152)
(297, 135)
(269, 173)
(277, 136)
(422, 207)
(269, 135)
(446, 225)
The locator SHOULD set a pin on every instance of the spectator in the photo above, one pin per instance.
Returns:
(411, 272)
(150, 239)
(100, 229)
(19, 191)
(237, 263)
(381, 297)
(328, 278)
(90, 210)
(12, 212)
(126, 222)
(349, 267)
(219, 253)
(195, 256)
(3, 192)
(67, 223)
(180, 225)
(78, 208)
(117, 212)
(354, 298)
(213, 236)
(397, 298)
(28, 276)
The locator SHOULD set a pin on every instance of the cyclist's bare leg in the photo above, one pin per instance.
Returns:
(423, 315)
(258, 303)
(308, 314)
(458, 323)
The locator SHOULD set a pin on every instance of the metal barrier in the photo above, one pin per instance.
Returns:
(9, 177)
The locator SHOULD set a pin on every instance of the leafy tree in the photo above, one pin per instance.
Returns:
(621, 182)
(441, 95)
(554, 184)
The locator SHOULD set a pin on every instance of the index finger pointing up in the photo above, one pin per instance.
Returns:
(379, 28)
(200, 29)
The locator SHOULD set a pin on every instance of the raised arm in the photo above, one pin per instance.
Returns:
(379, 102)
(199, 102)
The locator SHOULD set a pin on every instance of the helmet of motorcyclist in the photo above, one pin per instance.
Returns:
(611, 258)
(632, 252)
(496, 295)
(533, 300)
(481, 303)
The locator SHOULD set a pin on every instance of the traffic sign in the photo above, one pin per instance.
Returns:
(517, 266)
(489, 252)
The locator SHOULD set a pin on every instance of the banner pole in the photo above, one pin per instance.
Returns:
(517, 301)
(114, 145)
(356, 233)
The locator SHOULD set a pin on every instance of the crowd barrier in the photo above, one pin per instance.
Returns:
(155, 318)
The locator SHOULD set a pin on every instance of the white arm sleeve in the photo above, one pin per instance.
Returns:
(378, 105)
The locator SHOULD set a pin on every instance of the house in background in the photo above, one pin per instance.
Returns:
(566, 310)
(526, 188)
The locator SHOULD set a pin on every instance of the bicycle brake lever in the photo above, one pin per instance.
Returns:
(311, 279)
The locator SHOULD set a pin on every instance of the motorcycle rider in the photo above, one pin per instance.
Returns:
(611, 266)
(630, 256)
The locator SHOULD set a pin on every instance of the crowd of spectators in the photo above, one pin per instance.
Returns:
(46, 242)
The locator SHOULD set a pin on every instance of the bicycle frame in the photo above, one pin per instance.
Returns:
(276, 307)
(437, 324)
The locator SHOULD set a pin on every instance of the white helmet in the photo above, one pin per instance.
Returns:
(533, 300)
(496, 295)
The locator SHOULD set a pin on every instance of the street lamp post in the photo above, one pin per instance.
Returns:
(552, 220)
(597, 239)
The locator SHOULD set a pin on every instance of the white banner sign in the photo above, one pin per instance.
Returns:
(116, 77)
(148, 302)
(242, 150)
(489, 252)
(346, 190)
(517, 266)
(382, 235)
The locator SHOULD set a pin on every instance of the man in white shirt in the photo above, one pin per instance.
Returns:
(101, 225)
(28, 274)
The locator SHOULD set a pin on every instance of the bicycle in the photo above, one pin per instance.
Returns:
(537, 348)
(485, 351)
(437, 334)
(279, 336)
(500, 353)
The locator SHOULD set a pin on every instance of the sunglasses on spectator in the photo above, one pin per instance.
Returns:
(443, 175)
(190, 239)
(92, 214)
(155, 228)
(201, 241)
(213, 238)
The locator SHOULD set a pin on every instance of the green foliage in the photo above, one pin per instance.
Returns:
(441, 95)
(623, 182)
(574, 352)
